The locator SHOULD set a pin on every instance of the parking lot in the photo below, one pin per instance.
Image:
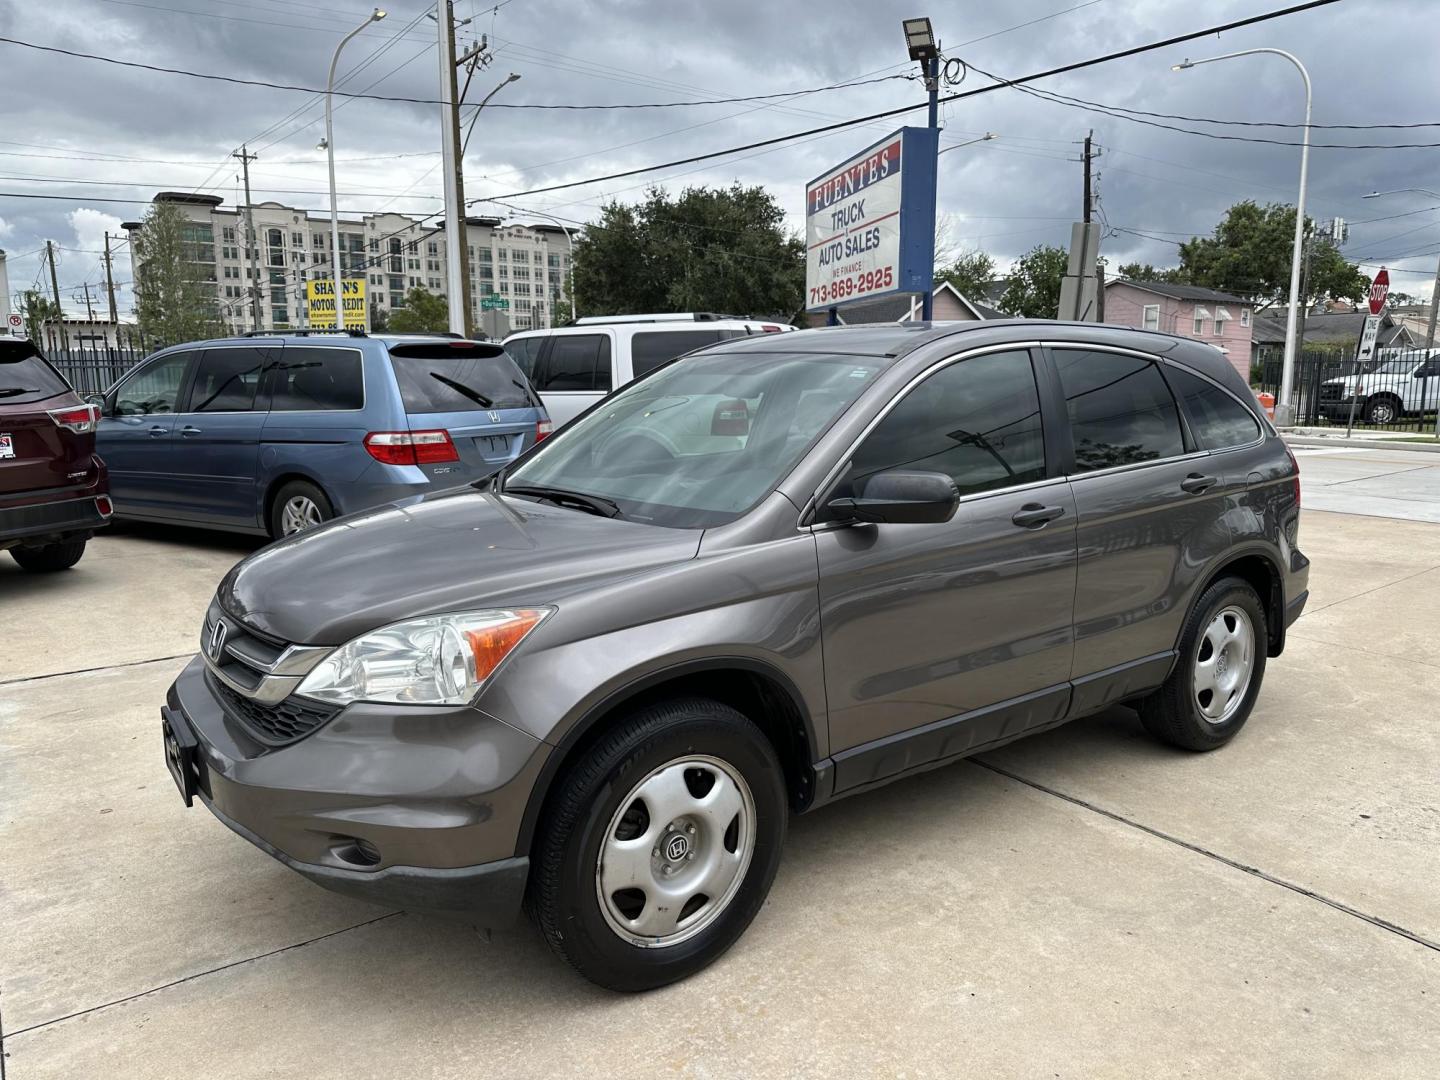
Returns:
(1086, 902)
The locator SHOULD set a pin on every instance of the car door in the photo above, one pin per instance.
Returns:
(1425, 387)
(135, 436)
(940, 638)
(217, 437)
(1151, 510)
(574, 372)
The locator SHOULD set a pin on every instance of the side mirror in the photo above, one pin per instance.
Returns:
(901, 497)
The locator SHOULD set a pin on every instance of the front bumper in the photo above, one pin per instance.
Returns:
(420, 810)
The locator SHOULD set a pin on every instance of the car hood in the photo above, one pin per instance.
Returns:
(453, 551)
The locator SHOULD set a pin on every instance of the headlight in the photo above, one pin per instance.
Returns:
(441, 660)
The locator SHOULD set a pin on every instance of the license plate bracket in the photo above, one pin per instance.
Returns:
(181, 749)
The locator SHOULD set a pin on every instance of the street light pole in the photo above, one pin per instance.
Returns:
(570, 245)
(1284, 409)
(1434, 289)
(375, 16)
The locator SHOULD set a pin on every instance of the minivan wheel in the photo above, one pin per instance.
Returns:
(661, 846)
(51, 557)
(1209, 695)
(298, 506)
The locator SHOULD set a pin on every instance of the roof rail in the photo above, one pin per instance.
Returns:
(349, 331)
(675, 316)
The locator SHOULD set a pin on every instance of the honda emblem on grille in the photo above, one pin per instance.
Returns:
(216, 646)
(494, 416)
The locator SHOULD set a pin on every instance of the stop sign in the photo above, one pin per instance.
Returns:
(1379, 289)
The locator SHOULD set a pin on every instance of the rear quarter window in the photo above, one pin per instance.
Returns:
(25, 375)
(1218, 420)
(308, 379)
(525, 351)
(651, 348)
(458, 377)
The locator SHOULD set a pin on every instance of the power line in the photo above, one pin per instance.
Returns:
(163, 187)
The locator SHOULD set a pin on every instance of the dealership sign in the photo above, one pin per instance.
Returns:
(320, 303)
(870, 222)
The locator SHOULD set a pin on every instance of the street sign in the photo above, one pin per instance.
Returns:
(494, 302)
(1379, 290)
(870, 222)
(17, 324)
(1366, 351)
(320, 303)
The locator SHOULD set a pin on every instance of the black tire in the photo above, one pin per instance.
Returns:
(564, 893)
(1173, 713)
(296, 489)
(50, 558)
(1382, 410)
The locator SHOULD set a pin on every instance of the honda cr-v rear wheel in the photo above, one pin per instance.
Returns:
(1209, 695)
(661, 845)
(49, 558)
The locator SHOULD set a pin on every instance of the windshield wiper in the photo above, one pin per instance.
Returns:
(579, 500)
(12, 391)
(474, 395)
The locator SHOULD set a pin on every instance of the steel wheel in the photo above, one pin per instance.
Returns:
(1224, 664)
(1382, 412)
(676, 851)
(298, 514)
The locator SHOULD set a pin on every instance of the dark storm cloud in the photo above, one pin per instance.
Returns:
(1369, 61)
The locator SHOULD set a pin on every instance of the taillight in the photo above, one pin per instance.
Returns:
(411, 447)
(103, 504)
(767, 328)
(80, 419)
(543, 430)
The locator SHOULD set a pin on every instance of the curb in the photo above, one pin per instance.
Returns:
(1361, 444)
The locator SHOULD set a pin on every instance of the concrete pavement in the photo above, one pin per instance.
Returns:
(1388, 482)
(1084, 903)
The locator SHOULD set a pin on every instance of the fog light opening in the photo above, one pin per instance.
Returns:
(358, 852)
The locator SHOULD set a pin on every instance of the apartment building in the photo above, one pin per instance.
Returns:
(527, 265)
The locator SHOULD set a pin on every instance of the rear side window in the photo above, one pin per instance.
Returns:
(1121, 412)
(25, 375)
(459, 377)
(652, 348)
(310, 379)
(1217, 419)
(525, 351)
(226, 380)
(578, 362)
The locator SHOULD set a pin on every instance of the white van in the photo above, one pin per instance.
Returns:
(575, 366)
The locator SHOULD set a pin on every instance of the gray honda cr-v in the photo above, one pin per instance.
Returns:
(769, 574)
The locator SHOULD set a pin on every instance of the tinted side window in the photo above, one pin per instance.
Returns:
(652, 348)
(578, 362)
(978, 420)
(1217, 419)
(226, 379)
(525, 351)
(307, 378)
(1121, 412)
(154, 388)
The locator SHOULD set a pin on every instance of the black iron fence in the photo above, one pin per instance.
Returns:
(93, 371)
(1399, 390)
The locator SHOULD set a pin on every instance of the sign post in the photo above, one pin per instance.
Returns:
(320, 304)
(1365, 351)
(870, 223)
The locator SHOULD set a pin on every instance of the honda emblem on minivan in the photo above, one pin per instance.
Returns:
(494, 416)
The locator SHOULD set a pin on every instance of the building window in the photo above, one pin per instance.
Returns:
(319, 239)
(433, 284)
(1150, 319)
(1244, 316)
(228, 232)
(1200, 316)
(504, 254)
(432, 247)
(433, 265)
(486, 255)
(374, 244)
(520, 257)
(297, 239)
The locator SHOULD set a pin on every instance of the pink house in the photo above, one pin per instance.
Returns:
(1207, 315)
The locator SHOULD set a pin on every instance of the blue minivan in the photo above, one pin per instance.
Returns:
(274, 433)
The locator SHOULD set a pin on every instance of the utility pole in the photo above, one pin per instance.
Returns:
(457, 257)
(89, 307)
(253, 286)
(110, 283)
(1434, 310)
(1089, 196)
(55, 292)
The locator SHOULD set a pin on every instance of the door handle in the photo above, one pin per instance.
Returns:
(188, 430)
(156, 431)
(1195, 483)
(1034, 516)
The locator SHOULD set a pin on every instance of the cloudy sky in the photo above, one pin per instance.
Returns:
(93, 133)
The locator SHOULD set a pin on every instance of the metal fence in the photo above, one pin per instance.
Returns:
(1398, 391)
(93, 371)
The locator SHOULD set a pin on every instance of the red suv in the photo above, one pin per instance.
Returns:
(54, 491)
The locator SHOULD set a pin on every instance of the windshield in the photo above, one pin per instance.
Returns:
(25, 376)
(702, 440)
(1394, 367)
(459, 376)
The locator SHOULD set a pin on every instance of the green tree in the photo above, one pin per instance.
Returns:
(710, 249)
(423, 313)
(1146, 272)
(969, 274)
(562, 314)
(175, 290)
(36, 310)
(1032, 288)
(1249, 254)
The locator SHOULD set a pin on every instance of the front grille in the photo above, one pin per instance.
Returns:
(274, 725)
(1329, 392)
